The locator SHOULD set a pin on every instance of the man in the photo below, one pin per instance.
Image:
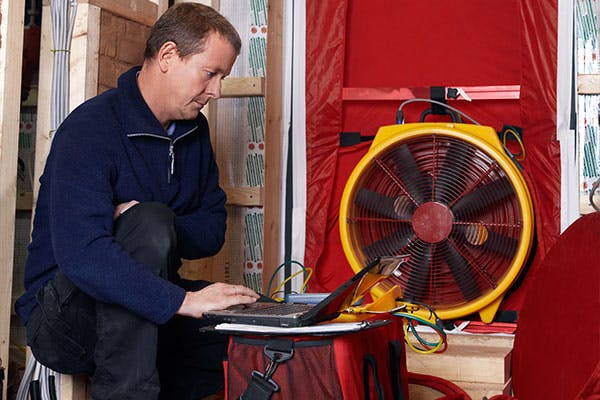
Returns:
(130, 186)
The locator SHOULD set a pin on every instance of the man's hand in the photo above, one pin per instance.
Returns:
(217, 296)
(121, 208)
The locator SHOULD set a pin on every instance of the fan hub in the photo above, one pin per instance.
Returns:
(432, 222)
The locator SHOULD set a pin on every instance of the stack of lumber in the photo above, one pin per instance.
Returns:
(478, 363)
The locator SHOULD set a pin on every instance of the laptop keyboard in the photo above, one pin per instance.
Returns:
(275, 308)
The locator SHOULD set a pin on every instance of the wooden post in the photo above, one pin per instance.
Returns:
(11, 58)
(273, 140)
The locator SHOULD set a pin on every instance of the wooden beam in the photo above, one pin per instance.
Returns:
(244, 196)
(273, 140)
(11, 50)
(85, 45)
(588, 84)
(243, 87)
(474, 358)
(43, 135)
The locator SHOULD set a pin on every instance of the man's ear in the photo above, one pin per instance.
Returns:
(166, 55)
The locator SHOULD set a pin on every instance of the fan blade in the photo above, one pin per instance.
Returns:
(383, 205)
(418, 275)
(416, 183)
(501, 244)
(489, 241)
(388, 245)
(483, 197)
(461, 272)
(453, 169)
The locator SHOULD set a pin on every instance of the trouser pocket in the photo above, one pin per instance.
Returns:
(61, 328)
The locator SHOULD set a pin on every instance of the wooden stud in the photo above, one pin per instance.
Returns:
(11, 49)
(243, 87)
(273, 140)
(245, 197)
(588, 84)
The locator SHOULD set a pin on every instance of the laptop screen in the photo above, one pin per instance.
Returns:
(342, 297)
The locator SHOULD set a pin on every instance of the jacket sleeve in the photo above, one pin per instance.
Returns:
(80, 210)
(201, 232)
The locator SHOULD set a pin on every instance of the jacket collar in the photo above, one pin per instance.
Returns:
(135, 115)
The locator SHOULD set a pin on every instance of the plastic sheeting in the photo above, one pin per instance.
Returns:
(408, 43)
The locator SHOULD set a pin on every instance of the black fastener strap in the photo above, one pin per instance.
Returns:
(261, 386)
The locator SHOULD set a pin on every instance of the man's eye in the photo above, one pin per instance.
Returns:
(210, 74)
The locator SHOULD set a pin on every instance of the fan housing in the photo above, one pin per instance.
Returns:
(450, 197)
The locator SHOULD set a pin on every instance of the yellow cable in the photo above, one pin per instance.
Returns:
(309, 272)
(416, 349)
(292, 276)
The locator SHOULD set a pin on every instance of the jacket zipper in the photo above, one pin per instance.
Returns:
(171, 159)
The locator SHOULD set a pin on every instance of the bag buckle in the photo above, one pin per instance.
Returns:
(277, 356)
(263, 378)
(261, 386)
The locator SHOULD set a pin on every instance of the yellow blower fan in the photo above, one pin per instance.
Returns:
(448, 196)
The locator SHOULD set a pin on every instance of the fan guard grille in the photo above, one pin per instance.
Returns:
(446, 203)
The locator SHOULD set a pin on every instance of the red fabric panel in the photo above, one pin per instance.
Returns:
(406, 43)
(539, 21)
(396, 43)
(557, 345)
(325, 40)
(334, 269)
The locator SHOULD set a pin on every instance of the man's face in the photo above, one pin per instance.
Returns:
(196, 78)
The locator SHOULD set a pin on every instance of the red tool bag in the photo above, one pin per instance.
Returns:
(366, 364)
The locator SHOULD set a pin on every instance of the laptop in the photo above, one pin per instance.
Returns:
(299, 314)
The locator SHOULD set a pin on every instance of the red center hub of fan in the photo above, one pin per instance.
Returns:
(432, 222)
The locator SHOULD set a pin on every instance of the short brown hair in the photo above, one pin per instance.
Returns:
(188, 25)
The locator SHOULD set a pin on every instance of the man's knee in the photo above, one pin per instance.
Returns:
(147, 232)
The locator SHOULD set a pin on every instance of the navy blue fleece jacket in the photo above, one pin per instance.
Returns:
(108, 151)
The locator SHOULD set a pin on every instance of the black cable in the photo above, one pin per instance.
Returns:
(52, 387)
(1, 379)
(35, 392)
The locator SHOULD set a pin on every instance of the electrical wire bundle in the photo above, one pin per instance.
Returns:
(400, 113)
(306, 272)
(63, 20)
(39, 382)
(412, 316)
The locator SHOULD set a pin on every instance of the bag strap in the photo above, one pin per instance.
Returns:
(370, 361)
(395, 370)
(261, 386)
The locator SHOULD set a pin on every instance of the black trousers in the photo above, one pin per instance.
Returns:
(126, 356)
